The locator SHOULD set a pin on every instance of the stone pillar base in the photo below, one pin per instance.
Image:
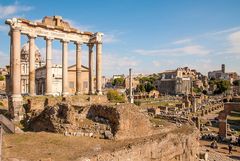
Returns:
(99, 92)
(15, 107)
(48, 94)
(65, 94)
(131, 100)
(78, 93)
(32, 95)
(91, 93)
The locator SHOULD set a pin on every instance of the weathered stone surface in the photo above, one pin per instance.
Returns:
(57, 118)
(170, 147)
(125, 120)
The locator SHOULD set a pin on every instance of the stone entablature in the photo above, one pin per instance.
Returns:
(53, 28)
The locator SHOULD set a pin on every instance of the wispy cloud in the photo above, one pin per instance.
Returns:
(225, 31)
(110, 38)
(16, 8)
(183, 41)
(181, 51)
(234, 40)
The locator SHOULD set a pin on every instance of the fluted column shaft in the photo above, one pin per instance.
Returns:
(99, 68)
(90, 62)
(78, 68)
(64, 68)
(31, 65)
(16, 63)
(48, 66)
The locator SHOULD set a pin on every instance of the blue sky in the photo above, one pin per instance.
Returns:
(149, 36)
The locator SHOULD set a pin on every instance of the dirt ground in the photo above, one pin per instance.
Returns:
(221, 151)
(43, 145)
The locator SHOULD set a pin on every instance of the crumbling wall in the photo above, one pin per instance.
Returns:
(58, 118)
(170, 147)
(126, 120)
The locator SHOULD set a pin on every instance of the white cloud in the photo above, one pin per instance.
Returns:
(109, 38)
(156, 63)
(234, 40)
(183, 41)
(9, 10)
(226, 31)
(181, 51)
(116, 64)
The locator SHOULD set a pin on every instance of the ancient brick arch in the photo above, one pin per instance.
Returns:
(228, 107)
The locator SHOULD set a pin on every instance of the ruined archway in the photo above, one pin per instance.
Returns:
(228, 107)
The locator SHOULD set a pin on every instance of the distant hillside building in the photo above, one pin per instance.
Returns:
(177, 81)
(222, 75)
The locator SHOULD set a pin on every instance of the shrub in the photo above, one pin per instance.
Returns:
(114, 96)
(138, 103)
(2, 78)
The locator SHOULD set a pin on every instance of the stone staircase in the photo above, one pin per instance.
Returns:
(6, 124)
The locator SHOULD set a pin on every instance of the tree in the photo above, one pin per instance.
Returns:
(197, 90)
(147, 83)
(149, 87)
(236, 83)
(222, 86)
(140, 88)
(118, 82)
(204, 92)
(114, 96)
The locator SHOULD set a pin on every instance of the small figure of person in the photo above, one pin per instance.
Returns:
(230, 146)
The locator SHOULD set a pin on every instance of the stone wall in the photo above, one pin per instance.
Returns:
(177, 146)
(126, 120)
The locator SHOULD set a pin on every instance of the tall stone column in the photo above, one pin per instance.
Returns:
(48, 66)
(16, 99)
(64, 68)
(78, 68)
(32, 65)
(99, 68)
(90, 62)
(130, 86)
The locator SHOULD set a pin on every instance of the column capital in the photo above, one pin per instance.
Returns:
(90, 45)
(98, 42)
(33, 36)
(48, 38)
(64, 41)
(15, 28)
(78, 43)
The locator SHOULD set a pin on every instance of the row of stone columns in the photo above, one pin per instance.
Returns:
(16, 65)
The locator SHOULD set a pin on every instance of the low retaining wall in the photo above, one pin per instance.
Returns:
(169, 147)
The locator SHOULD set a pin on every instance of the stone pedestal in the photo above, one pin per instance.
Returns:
(15, 107)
